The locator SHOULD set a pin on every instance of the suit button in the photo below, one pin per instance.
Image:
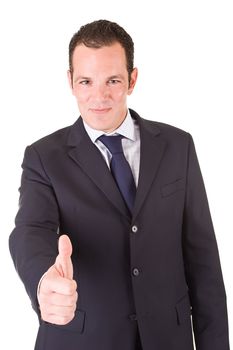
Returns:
(133, 317)
(134, 229)
(136, 272)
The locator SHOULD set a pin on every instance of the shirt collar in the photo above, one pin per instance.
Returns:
(126, 129)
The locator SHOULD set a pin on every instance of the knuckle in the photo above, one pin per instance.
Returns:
(72, 310)
(71, 287)
(66, 319)
(74, 284)
(75, 298)
(69, 290)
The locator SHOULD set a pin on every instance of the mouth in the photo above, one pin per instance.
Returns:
(100, 110)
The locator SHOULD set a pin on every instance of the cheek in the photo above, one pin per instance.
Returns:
(120, 95)
(80, 95)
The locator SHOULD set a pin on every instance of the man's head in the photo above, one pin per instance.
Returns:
(101, 73)
(103, 33)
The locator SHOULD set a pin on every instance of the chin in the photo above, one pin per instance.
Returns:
(101, 123)
(102, 127)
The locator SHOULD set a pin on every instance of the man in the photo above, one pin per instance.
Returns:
(144, 254)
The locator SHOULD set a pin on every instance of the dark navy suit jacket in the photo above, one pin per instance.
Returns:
(158, 271)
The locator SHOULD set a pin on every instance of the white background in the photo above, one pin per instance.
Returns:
(183, 50)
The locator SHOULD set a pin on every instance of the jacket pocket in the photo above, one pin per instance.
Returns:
(172, 187)
(183, 310)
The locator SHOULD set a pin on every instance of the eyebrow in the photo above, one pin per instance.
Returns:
(116, 76)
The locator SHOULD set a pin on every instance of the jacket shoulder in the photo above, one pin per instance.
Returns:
(56, 139)
(170, 128)
(165, 130)
(158, 127)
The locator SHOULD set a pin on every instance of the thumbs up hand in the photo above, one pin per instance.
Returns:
(57, 293)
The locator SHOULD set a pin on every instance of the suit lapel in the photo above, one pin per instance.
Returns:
(151, 153)
(89, 159)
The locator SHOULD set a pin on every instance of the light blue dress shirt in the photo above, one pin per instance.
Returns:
(130, 144)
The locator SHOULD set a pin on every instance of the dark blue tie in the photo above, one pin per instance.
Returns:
(120, 169)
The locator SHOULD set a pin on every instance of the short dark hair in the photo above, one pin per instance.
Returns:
(103, 33)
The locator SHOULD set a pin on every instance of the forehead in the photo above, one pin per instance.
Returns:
(106, 55)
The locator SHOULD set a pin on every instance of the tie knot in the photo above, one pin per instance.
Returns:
(113, 143)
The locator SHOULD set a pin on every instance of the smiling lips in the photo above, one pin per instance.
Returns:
(100, 110)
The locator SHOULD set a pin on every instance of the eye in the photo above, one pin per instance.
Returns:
(84, 82)
(113, 81)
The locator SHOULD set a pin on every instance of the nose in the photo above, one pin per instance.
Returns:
(100, 92)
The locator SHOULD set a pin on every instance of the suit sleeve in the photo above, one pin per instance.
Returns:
(202, 264)
(33, 242)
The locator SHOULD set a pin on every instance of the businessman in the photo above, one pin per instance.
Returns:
(113, 238)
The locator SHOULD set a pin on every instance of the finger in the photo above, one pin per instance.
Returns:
(58, 285)
(59, 299)
(66, 311)
(63, 262)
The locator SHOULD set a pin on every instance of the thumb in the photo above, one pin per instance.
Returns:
(63, 261)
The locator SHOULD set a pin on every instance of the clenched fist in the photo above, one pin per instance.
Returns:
(57, 293)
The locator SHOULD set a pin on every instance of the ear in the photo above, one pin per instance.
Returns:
(70, 79)
(133, 79)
